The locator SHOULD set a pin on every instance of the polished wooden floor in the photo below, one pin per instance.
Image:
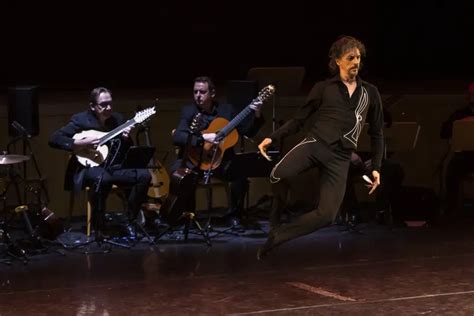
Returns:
(405, 271)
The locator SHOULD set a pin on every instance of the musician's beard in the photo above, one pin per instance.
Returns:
(205, 106)
(105, 115)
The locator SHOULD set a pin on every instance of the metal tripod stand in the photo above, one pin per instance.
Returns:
(207, 184)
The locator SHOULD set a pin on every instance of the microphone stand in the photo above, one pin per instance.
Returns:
(207, 183)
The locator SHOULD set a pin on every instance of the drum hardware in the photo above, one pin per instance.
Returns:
(6, 159)
(43, 217)
(11, 249)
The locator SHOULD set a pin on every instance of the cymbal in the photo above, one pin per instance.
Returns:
(11, 159)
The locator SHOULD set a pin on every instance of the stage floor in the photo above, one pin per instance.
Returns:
(406, 271)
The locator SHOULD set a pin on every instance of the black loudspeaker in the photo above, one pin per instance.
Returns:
(241, 92)
(23, 108)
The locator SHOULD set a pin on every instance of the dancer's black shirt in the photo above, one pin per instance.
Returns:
(340, 118)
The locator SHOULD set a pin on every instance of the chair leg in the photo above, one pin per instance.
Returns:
(89, 215)
(71, 207)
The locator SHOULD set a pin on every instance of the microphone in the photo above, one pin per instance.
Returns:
(20, 129)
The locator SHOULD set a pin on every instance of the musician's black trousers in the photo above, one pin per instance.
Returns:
(238, 183)
(134, 182)
(333, 164)
(238, 190)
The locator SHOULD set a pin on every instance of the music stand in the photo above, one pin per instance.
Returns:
(251, 165)
(182, 178)
(139, 157)
(287, 81)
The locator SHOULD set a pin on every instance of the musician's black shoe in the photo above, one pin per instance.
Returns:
(236, 225)
(16, 251)
(159, 223)
(100, 236)
(131, 231)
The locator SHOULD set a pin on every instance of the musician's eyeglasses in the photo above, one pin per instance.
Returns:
(104, 104)
(200, 91)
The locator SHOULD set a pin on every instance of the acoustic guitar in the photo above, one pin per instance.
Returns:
(210, 155)
(95, 157)
(160, 180)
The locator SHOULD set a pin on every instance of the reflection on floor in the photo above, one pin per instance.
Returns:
(379, 271)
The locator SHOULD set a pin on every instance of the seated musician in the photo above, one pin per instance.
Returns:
(101, 117)
(462, 162)
(204, 93)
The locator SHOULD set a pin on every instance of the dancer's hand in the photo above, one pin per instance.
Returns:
(262, 147)
(375, 183)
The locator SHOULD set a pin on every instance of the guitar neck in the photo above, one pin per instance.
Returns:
(235, 121)
(116, 131)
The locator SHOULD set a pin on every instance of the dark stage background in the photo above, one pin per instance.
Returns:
(153, 44)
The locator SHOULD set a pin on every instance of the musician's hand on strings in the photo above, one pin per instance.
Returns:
(126, 132)
(209, 137)
(262, 147)
(89, 142)
(257, 106)
(373, 183)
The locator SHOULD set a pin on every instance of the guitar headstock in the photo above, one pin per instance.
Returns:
(264, 94)
(195, 125)
(144, 114)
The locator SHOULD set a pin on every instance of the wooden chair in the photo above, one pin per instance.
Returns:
(209, 188)
(68, 186)
(72, 200)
